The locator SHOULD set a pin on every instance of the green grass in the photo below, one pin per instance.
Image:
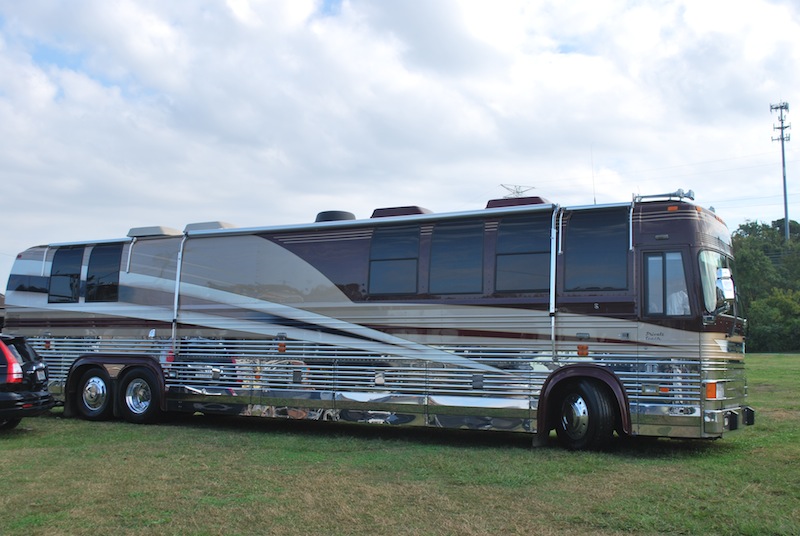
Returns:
(250, 476)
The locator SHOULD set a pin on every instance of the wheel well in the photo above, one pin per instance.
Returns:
(557, 383)
(71, 388)
(115, 366)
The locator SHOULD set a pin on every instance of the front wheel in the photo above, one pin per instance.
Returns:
(585, 418)
(140, 396)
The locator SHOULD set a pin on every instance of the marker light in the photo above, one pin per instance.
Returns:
(715, 390)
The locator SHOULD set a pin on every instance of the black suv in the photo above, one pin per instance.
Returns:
(23, 382)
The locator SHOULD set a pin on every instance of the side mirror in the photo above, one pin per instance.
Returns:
(725, 285)
(726, 295)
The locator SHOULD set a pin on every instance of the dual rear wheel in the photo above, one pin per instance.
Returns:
(137, 392)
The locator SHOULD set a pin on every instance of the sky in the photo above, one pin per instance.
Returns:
(119, 113)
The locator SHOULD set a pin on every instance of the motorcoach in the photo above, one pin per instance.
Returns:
(523, 316)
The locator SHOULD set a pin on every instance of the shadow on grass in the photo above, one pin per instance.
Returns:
(630, 448)
(622, 447)
(648, 447)
(328, 429)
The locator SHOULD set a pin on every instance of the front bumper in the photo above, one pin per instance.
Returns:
(715, 422)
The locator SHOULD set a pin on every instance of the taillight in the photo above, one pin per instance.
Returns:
(14, 369)
(170, 357)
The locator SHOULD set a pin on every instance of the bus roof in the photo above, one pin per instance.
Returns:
(380, 217)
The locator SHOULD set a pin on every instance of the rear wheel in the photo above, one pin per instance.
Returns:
(8, 424)
(585, 417)
(140, 396)
(95, 395)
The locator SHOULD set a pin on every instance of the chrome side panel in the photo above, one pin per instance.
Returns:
(301, 380)
(424, 377)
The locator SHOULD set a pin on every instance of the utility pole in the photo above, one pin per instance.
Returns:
(781, 107)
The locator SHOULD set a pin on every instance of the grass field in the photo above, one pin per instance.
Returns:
(204, 476)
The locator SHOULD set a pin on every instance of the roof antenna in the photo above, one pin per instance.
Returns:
(515, 190)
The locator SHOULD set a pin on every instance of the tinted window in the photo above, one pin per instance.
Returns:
(28, 283)
(102, 277)
(666, 292)
(249, 265)
(596, 250)
(523, 254)
(21, 350)
(65, 275)
(394, 258)
(157, 258)
(457, 258)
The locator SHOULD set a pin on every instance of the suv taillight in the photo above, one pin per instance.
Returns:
(14, 369)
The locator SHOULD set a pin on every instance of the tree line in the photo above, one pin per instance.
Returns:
(767, 276)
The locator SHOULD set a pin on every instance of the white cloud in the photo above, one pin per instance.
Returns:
(116, 114)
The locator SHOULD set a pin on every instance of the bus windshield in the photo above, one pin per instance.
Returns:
(710, 262)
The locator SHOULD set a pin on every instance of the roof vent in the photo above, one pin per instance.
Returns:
(516, 202)
(208, 226)
(153, 231)
(334, 215)
(399, 211)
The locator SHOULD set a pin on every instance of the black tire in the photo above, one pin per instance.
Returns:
(9, 424)
(140, 396)
(584, 417)
(95, 395)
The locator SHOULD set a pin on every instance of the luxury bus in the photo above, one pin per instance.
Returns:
(522, 316)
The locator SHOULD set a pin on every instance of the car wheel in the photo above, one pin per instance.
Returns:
(8, 424)
(95, 395)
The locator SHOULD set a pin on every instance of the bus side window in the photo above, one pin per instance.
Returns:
(666, 292)
(457, 258)
(65, 276)
(394, 260)
(522, 261)
(596, 251)
(102, 277)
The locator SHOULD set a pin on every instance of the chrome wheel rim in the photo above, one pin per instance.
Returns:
(94, 394)
(575, 416)
(138, 396)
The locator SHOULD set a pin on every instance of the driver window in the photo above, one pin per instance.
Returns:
(666, 292)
